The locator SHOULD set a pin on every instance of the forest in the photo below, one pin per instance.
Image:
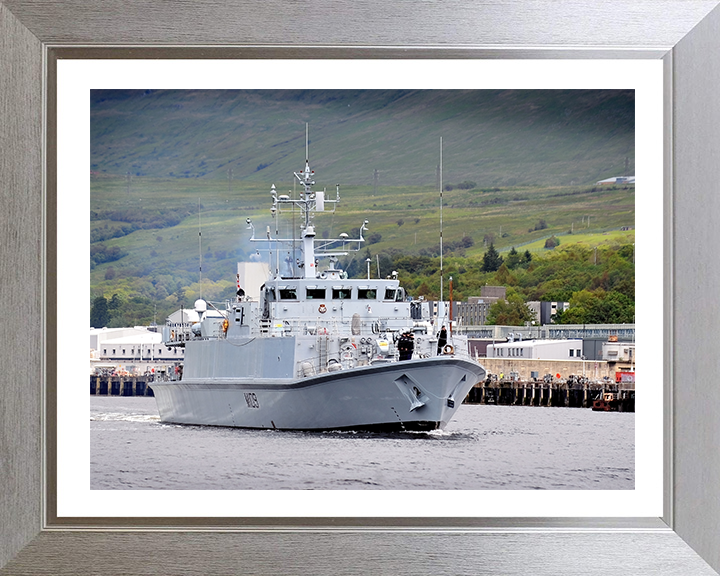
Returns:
(599, 284)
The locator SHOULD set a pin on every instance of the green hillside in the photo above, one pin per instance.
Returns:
(160, 169)
(491, 137)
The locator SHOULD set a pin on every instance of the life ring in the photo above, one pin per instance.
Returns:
(225, 325)
(172, 334)
(449, 349)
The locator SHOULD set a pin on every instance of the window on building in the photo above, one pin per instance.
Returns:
(572, 353)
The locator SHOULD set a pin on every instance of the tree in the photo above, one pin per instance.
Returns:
(513, 259)
(99, 313)
(510, 312)
(115, 302)
(551, 242)
(503, 277)
(598, 307)
(423, 290)
(491, 260)
(467, 242)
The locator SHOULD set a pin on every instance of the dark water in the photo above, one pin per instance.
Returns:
(483, 447)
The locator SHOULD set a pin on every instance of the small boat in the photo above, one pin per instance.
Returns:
(317, 350)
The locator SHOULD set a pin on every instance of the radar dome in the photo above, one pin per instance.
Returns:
(200, 305)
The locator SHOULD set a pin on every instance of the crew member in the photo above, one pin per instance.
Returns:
(442, 340)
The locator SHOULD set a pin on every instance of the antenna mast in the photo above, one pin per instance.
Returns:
(200, 245)
(441, 220)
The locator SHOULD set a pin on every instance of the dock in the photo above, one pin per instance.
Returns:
(121, 385)
(570, 393)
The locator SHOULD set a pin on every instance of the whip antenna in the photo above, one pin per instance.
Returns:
(200, 245)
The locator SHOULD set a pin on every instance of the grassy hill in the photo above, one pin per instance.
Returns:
(492, 137)
(160, 162)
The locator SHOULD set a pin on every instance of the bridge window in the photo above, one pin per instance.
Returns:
(288, 294)
(316, 293)
(367, 294)
(342, 293)
(389, 293)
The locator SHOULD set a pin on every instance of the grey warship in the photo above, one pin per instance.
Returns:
(317, 350)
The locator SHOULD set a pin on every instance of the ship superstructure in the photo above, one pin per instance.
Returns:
(317, 350)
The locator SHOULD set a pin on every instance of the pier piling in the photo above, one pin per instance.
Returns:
(571, 393)
(121, 386)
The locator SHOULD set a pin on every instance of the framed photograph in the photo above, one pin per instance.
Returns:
(627, 97)
(57, 523)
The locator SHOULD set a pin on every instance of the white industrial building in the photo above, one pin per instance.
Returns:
(135, 350)
(537, 349)
(614, 351)
(617, 180)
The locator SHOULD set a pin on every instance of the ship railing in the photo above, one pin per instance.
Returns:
(177, 333)
(352, 356)
(330, 327)
(324, 363)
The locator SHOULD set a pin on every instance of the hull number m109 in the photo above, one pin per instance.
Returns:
(251, 400)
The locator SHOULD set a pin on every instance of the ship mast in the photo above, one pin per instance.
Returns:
(308, 235)
(309, 202)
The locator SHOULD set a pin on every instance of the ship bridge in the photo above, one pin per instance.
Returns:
(333, 302)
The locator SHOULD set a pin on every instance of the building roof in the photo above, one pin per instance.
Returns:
(618, 180)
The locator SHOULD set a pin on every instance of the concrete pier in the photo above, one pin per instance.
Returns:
(121, 386)
(567, 393)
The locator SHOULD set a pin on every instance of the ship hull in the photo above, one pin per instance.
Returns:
(418, 394)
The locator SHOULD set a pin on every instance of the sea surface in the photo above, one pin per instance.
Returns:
(483, 447)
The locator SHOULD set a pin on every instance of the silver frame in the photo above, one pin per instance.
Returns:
(684, 33)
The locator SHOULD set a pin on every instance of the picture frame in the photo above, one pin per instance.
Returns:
(686, 540)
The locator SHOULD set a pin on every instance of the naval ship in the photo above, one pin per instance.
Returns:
(317, 350)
